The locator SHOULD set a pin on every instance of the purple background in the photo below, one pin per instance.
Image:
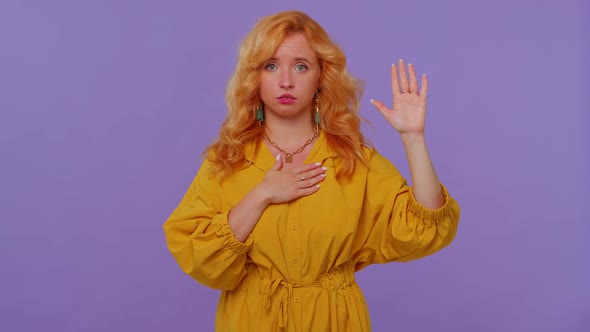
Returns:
(107, 105)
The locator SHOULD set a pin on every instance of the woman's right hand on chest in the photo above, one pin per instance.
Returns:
(281, 185)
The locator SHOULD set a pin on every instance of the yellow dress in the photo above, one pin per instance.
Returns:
(295, 272)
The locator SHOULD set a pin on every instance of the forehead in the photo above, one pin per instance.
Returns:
(295, 46)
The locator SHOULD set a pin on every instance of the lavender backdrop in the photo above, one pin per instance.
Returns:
(105, 107)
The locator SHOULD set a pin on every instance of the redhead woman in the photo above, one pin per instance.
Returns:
(291, 201)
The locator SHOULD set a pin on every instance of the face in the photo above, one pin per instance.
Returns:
(290, 79)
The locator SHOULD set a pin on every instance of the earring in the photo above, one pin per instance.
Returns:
(317, 110)
(260, 114)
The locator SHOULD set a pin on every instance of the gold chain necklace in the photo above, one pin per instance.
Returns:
(289, 155)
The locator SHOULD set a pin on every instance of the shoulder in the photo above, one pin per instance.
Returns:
(207, 168)
(376, 162)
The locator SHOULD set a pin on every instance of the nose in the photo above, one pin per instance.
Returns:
(286, 80)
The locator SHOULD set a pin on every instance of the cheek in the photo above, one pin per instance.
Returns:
(263, 90)
(313, 83)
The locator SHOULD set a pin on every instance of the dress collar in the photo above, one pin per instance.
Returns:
(258, 154)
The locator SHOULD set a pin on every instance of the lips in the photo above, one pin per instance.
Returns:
(286, 99)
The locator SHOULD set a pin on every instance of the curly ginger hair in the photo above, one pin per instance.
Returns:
(339, 102)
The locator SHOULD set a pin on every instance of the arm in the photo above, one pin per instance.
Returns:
(277, 187)
(209, 242)
(200, 239)
(244, 216)
(408, 116)
(425, 184)
(393, 225)
(406, 223)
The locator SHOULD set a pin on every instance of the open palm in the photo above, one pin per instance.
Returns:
(408, 113)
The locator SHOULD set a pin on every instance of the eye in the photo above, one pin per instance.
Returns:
(301, 68)
(271, 67)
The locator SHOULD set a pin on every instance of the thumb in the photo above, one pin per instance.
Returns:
(278, 163)
(380, 107)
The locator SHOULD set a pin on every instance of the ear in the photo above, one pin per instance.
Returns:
(317, 93)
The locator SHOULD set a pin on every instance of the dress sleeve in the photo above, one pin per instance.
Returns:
(396, 227)
(200, 239)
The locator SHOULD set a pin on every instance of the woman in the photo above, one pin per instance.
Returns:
(291, 201)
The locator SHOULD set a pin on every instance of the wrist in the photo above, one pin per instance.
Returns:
(262, 196)
(413, 138)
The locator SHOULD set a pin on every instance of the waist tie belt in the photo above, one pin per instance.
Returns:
(331, 282)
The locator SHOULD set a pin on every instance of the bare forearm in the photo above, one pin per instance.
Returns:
(425, 184)
(243, 217)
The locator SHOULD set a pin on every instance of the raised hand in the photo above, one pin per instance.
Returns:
(408, 113)
(284, 185)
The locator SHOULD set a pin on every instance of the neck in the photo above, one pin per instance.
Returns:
(289, 134)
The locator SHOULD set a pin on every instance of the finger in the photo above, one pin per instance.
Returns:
(311, 181)
(308, 180)
(394, 82)
(278, 163)
(424, 87)
(308, 191)
(313, 173)
(403, 78)
(380, 107)
(305, 168)
(413, 80)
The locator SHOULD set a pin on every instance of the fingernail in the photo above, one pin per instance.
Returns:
(318, 164)
(400, 60)
(323, 175)
(317, 185)
(325, 168)
(410, 64)
(423, 75)
(372, 101)
(393, 65)
(278, 157)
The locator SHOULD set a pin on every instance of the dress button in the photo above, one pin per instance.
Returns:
(293, 227)
(296, 300)
(295, 260)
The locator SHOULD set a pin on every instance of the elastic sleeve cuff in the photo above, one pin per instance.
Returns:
(425, 213)
(230, 242)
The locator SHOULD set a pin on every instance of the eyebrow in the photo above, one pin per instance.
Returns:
(296, 59)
